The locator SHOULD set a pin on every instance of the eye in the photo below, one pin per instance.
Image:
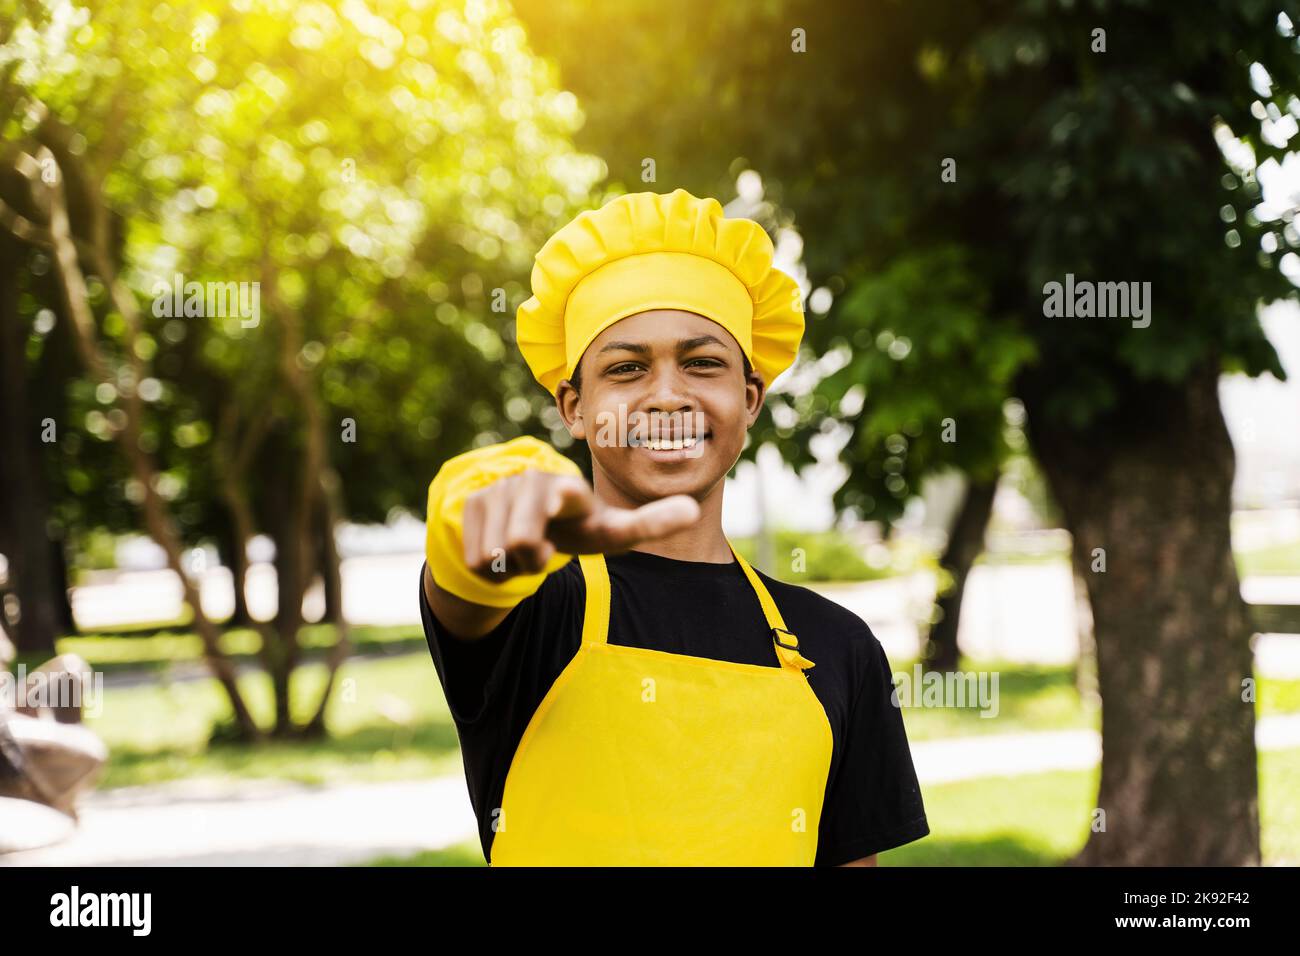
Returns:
(622, 368)
(708, 362)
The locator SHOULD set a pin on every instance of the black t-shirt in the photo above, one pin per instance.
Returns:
(495, 683)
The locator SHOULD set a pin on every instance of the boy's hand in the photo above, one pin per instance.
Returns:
(514, 525)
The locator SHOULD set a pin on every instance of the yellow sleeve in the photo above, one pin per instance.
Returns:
(456, 480)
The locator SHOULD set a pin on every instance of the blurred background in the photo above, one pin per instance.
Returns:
(259, 262)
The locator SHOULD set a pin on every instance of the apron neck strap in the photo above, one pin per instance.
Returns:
(786, 644)
(595, 620)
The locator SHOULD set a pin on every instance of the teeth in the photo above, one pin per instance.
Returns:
(664, 444)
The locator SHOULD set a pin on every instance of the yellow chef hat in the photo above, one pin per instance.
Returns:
(647, 251)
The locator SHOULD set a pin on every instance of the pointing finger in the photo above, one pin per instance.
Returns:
(622, 528)
(569, 497)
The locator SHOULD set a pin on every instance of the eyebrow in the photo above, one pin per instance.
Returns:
(683, 345)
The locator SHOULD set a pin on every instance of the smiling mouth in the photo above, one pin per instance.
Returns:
(656, 444)
(671, 444)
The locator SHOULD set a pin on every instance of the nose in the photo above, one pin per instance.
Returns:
(669, 391)
(668, 405)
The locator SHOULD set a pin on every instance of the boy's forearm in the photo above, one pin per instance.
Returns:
(462, 619)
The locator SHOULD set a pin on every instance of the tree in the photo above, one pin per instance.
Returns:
(24, 506)
(338, 160)
(946, 163)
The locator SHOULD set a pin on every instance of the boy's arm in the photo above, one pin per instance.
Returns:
(502, 518)
(462, 619)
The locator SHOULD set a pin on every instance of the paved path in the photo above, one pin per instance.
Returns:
(197, 823)
(201, 823)
(1009, 755)
(1017, 613)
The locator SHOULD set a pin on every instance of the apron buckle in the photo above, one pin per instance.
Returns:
(780, 643)
(789, 653)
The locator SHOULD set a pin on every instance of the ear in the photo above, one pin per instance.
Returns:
(568, 402)
(755, 393)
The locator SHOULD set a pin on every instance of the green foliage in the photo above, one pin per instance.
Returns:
(803, 557)
(383, 170)
(923, 400)
(1110, 166)
(387, 171)
(95, 551)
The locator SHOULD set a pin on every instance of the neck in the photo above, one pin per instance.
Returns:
(702, 541)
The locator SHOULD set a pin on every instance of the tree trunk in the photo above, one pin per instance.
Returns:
(234, 554)
(1147, 495)
(292, 560)
(331, 568)
(1085, 665)
(327, 559)
(316, 508)
(236, 451)
(22, 483)
(965, 543)
(57, 236)
(62, 585)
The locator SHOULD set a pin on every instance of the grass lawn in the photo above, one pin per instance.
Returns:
(1041, 820)
(1033, 699)
(150, 648)
(1274, 559)
(1277, 559)
(1036, 820)
(469, 853)
(389, 720)
(1028, 699)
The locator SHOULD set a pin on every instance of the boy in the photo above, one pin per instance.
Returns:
(656, 701)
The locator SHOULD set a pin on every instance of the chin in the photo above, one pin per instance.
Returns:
(688, 476)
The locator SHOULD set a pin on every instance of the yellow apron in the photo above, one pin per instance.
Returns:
(639, 757)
